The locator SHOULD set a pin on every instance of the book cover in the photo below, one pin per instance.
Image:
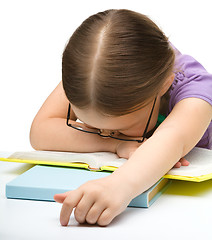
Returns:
(43, 182)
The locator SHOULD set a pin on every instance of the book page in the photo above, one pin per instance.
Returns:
(200, 163)
(94, 160)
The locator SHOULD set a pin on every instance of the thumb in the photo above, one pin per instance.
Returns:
(60, 197)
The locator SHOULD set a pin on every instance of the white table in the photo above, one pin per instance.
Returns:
(183, 212)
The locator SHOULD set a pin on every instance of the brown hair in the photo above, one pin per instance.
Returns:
(115, 62)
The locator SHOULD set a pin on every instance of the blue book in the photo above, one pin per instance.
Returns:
(43, 182)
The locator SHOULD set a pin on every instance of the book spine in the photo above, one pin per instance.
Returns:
(32, 194)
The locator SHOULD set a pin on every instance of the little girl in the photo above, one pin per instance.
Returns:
(119, 74)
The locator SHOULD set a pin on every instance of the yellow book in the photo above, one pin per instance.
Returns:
(200, 168)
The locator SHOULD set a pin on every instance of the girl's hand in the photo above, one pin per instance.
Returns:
(126, 149)
(182, 162)
(97, 201)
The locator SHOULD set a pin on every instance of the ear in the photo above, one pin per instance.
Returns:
(167, 84)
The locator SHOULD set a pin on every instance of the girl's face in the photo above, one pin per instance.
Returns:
(132, 124)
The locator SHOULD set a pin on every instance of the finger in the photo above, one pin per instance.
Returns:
(184, 162)
(106, 217)
(83, 208)
(69, 203)
(177, 165)
(94, 213)
(60, 197)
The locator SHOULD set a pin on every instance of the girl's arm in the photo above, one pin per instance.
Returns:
(99, 201)
(50, 132)
(173, 139)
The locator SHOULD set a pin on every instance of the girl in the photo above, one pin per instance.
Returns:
(119, 72)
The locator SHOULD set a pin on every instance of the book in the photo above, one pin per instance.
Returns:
(97, 161)
(200, 168)
(43, 182)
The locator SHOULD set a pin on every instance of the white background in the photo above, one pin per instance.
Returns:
(33, 35)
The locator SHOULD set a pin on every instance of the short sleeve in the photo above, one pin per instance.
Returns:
(191, 80)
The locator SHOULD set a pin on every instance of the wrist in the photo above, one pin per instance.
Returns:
(110, 145)
(123, 186)
(126, 181)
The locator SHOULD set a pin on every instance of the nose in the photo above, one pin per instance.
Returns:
(107, 132)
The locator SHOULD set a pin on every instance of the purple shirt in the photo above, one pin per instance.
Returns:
(191, 80)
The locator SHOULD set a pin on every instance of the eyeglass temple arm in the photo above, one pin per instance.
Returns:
(68, 114)
(150, 116)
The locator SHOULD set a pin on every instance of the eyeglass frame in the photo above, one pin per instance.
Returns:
(111, 136)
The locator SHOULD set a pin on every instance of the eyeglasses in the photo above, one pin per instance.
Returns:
(83, 128)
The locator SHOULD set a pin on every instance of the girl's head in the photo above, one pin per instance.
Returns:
(116, 62)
